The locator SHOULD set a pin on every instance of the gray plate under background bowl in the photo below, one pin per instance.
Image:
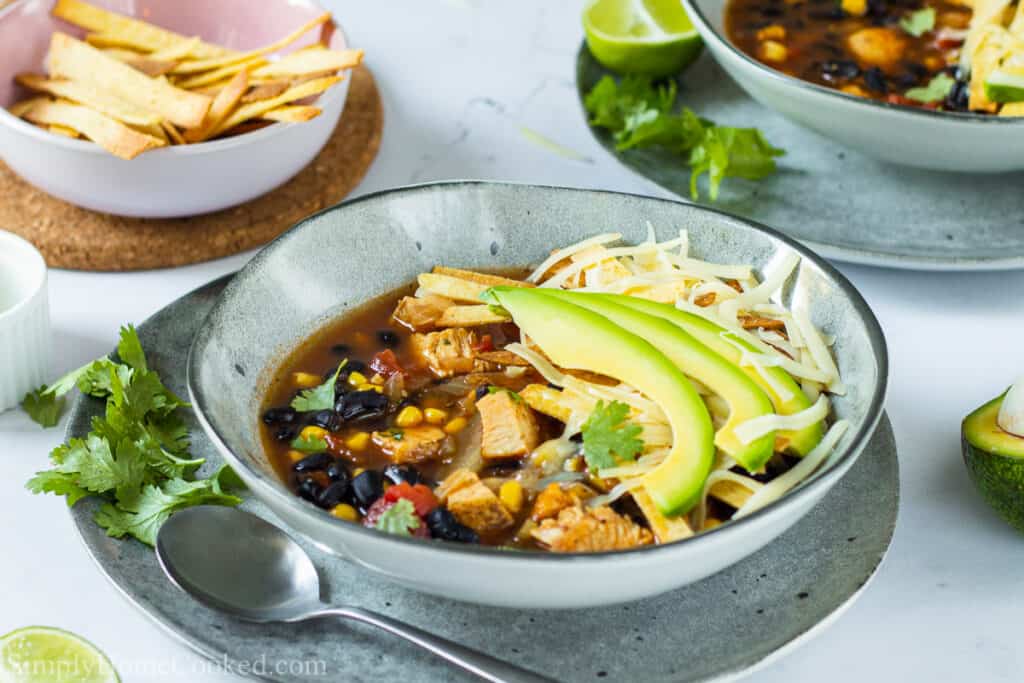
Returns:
(841, 203)
(705, 631)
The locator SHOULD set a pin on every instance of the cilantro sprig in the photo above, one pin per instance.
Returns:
(920, 22)
(136, 456)
(608, 438)
(640, 113)
(320, 397)
(399, 519)
(936, 91)
(309, 444)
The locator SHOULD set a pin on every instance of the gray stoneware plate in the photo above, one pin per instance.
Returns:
(726, 625)
(336, 260)
(841, 203)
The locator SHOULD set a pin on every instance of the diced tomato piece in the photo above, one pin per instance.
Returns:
(485, 344)
(421, 497)
(386, 363)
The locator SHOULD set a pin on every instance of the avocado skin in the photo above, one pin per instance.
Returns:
(998, 476)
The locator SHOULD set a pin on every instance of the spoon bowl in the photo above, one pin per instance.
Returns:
(245, 566)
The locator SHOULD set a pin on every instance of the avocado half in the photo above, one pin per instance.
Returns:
(995, 462)
(577, 338)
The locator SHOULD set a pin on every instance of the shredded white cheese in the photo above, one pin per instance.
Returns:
(819, 351)
(564, 253)
(756, 427)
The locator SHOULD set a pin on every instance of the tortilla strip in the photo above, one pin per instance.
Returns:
(470, 316)
(219, 74)
(730, 493)
(184, 50)
(310, 61)
(130, 32)
(157, 131)
(247, 127)
(172, 133)
(115, 137)
(480, 278)
(75, 60)
(223, 105)
(90, 96)
(265, 91)
(151, 67)
(19, 109)
(453, 288)
(58, 129)
(120, 54)
(257, 109)
(294, 114)
(200, 65)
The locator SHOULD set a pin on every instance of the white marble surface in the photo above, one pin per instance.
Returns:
(460, 80)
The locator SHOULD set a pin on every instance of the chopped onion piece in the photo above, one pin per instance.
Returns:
(779, 486)
(759, 426)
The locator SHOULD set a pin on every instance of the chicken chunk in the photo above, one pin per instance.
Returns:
(877, 46)
(413, 444)
(421, 314)
(551, 501)
(473, 504)
(448, 352)
(577, 529)
(510, 428)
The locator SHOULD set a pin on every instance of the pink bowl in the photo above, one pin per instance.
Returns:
(171, 181)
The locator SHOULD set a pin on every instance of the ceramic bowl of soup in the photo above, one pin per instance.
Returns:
(320, 297)
(807, 68)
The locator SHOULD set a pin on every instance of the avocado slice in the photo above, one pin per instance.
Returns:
(796, 442)
(995, 462)
(1003, 86)
(576, 338)
(746, 400)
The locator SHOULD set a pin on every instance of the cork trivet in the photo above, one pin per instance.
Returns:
(71, 237)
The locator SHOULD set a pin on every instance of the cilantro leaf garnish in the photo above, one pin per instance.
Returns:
(136, 456)
(608, 438)
(43, 407)
(493, 389)
(309, 444)
(321, 397)
(639, 113)
(936, 90)
(920, 22)
(399, 519)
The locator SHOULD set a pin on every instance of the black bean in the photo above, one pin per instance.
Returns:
(830, 14)
(919, 70)
(443, 525)
(481, 391)
(362, 406)
(905, 81)
(285, 434)
(839, 69)
(333, 495)
(366, 489)
(958, 97)
(353, 365)
(312, 463)
(338, 471)
(878, 9)
(771, 12)
(576, 438)
(875, 80)
(276, 416)
(341, 349)
(310, 490)
(396, 474)
(328, 419)
(389, 339)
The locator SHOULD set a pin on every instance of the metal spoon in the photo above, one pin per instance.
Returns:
(238, 563)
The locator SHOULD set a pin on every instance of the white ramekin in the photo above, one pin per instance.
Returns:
(25, 342)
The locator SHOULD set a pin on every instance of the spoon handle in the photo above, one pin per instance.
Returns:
(484, 666)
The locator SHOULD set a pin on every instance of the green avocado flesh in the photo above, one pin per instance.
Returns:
(1002, 86)
(579, 339)
(799, 442)
(995, 462)
(746, 400)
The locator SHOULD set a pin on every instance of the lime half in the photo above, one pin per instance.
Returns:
(649, 37)
(39, 654)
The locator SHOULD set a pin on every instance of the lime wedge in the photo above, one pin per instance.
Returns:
(649, 37)
(39, 654)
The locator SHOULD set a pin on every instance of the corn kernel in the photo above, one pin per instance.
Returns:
(307, 380)
(313, 432)
(346, 512)
(455, 425)
(370, 387)
(377, 379)
(773, 51)
(573, 465)
(435, 416)
(774, 32)
(357, 471)
(296, 456)
(357, 378)
(856, 8)
(511, 494)
(358, 441)
(409, 416)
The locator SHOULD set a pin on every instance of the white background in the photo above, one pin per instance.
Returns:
(459, 80)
